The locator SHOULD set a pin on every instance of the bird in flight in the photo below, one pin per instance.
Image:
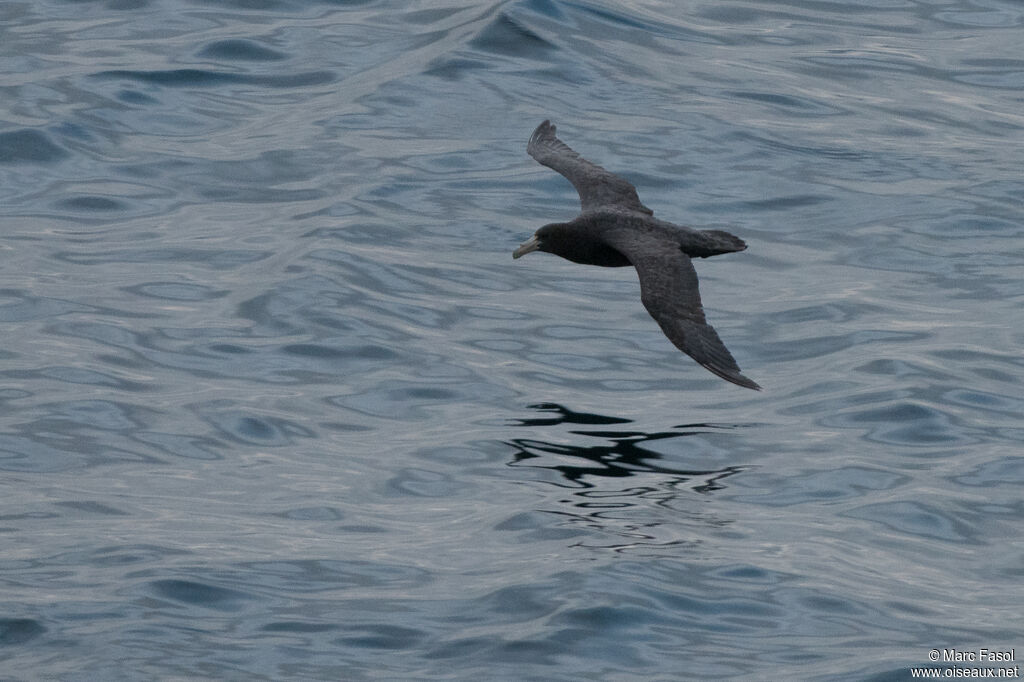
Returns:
(614, 229)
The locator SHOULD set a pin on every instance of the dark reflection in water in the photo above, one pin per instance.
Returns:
(621, 455)
(563, 415)
(657, 507)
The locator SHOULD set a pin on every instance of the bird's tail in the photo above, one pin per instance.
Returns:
(714, 243)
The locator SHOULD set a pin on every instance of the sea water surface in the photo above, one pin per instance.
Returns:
(278, 403)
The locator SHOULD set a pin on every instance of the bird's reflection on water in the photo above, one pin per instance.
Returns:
(619, 455)
(658, 493)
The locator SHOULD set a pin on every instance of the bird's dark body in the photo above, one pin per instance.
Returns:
(581, 240)
(615, 230)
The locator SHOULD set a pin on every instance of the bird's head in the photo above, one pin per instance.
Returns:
(547, 238)
(578, 241)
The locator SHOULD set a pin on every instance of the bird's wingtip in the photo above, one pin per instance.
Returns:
(743, 381)
(732, 376)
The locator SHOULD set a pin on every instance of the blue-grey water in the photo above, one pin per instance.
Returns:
(278, 403)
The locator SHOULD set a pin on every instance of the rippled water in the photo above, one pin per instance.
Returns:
(278, 404)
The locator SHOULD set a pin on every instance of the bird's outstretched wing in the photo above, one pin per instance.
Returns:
(668, 289)
(597, 187)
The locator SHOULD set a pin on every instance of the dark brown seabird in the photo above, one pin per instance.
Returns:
(614, 230)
